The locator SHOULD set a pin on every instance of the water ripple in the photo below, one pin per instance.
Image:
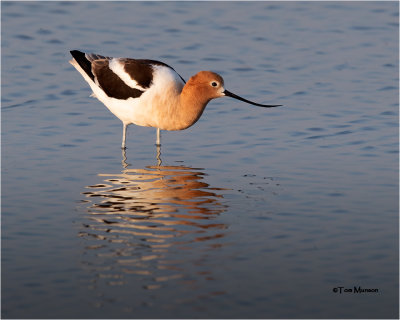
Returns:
(138, 217)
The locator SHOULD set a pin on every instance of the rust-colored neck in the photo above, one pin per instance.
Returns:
(192, 104)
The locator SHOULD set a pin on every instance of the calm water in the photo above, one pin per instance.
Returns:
(252, 213)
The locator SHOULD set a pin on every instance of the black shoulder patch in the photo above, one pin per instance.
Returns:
(159, 63)
(140, 72)
(111, 84)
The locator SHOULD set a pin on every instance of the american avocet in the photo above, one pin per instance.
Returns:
(150, 93)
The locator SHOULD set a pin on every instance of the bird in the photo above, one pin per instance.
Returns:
(149, 92)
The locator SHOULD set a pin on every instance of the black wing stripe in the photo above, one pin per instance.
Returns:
(97, 68)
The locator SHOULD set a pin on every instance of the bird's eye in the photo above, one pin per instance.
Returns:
(214, 84)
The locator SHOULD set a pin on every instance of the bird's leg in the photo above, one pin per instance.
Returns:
(158, 143)
(124, 136)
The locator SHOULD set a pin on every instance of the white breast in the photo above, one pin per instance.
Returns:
(156, 107)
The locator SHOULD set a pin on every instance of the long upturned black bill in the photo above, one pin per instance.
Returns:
(232, 95)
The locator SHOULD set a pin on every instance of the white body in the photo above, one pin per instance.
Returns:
(145, 110)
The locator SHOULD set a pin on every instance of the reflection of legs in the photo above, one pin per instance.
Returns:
(158, 143)
(124, 163)
(159, 161)
(124, 136)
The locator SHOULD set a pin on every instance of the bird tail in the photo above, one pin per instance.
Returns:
(83, 61)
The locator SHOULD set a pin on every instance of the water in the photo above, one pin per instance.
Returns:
(252, 213)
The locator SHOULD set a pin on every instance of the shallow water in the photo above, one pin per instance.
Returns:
(252, 213)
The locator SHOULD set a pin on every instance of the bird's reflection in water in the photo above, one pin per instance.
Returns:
(144, 223)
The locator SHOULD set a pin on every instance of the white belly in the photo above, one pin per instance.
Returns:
(157, 107)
